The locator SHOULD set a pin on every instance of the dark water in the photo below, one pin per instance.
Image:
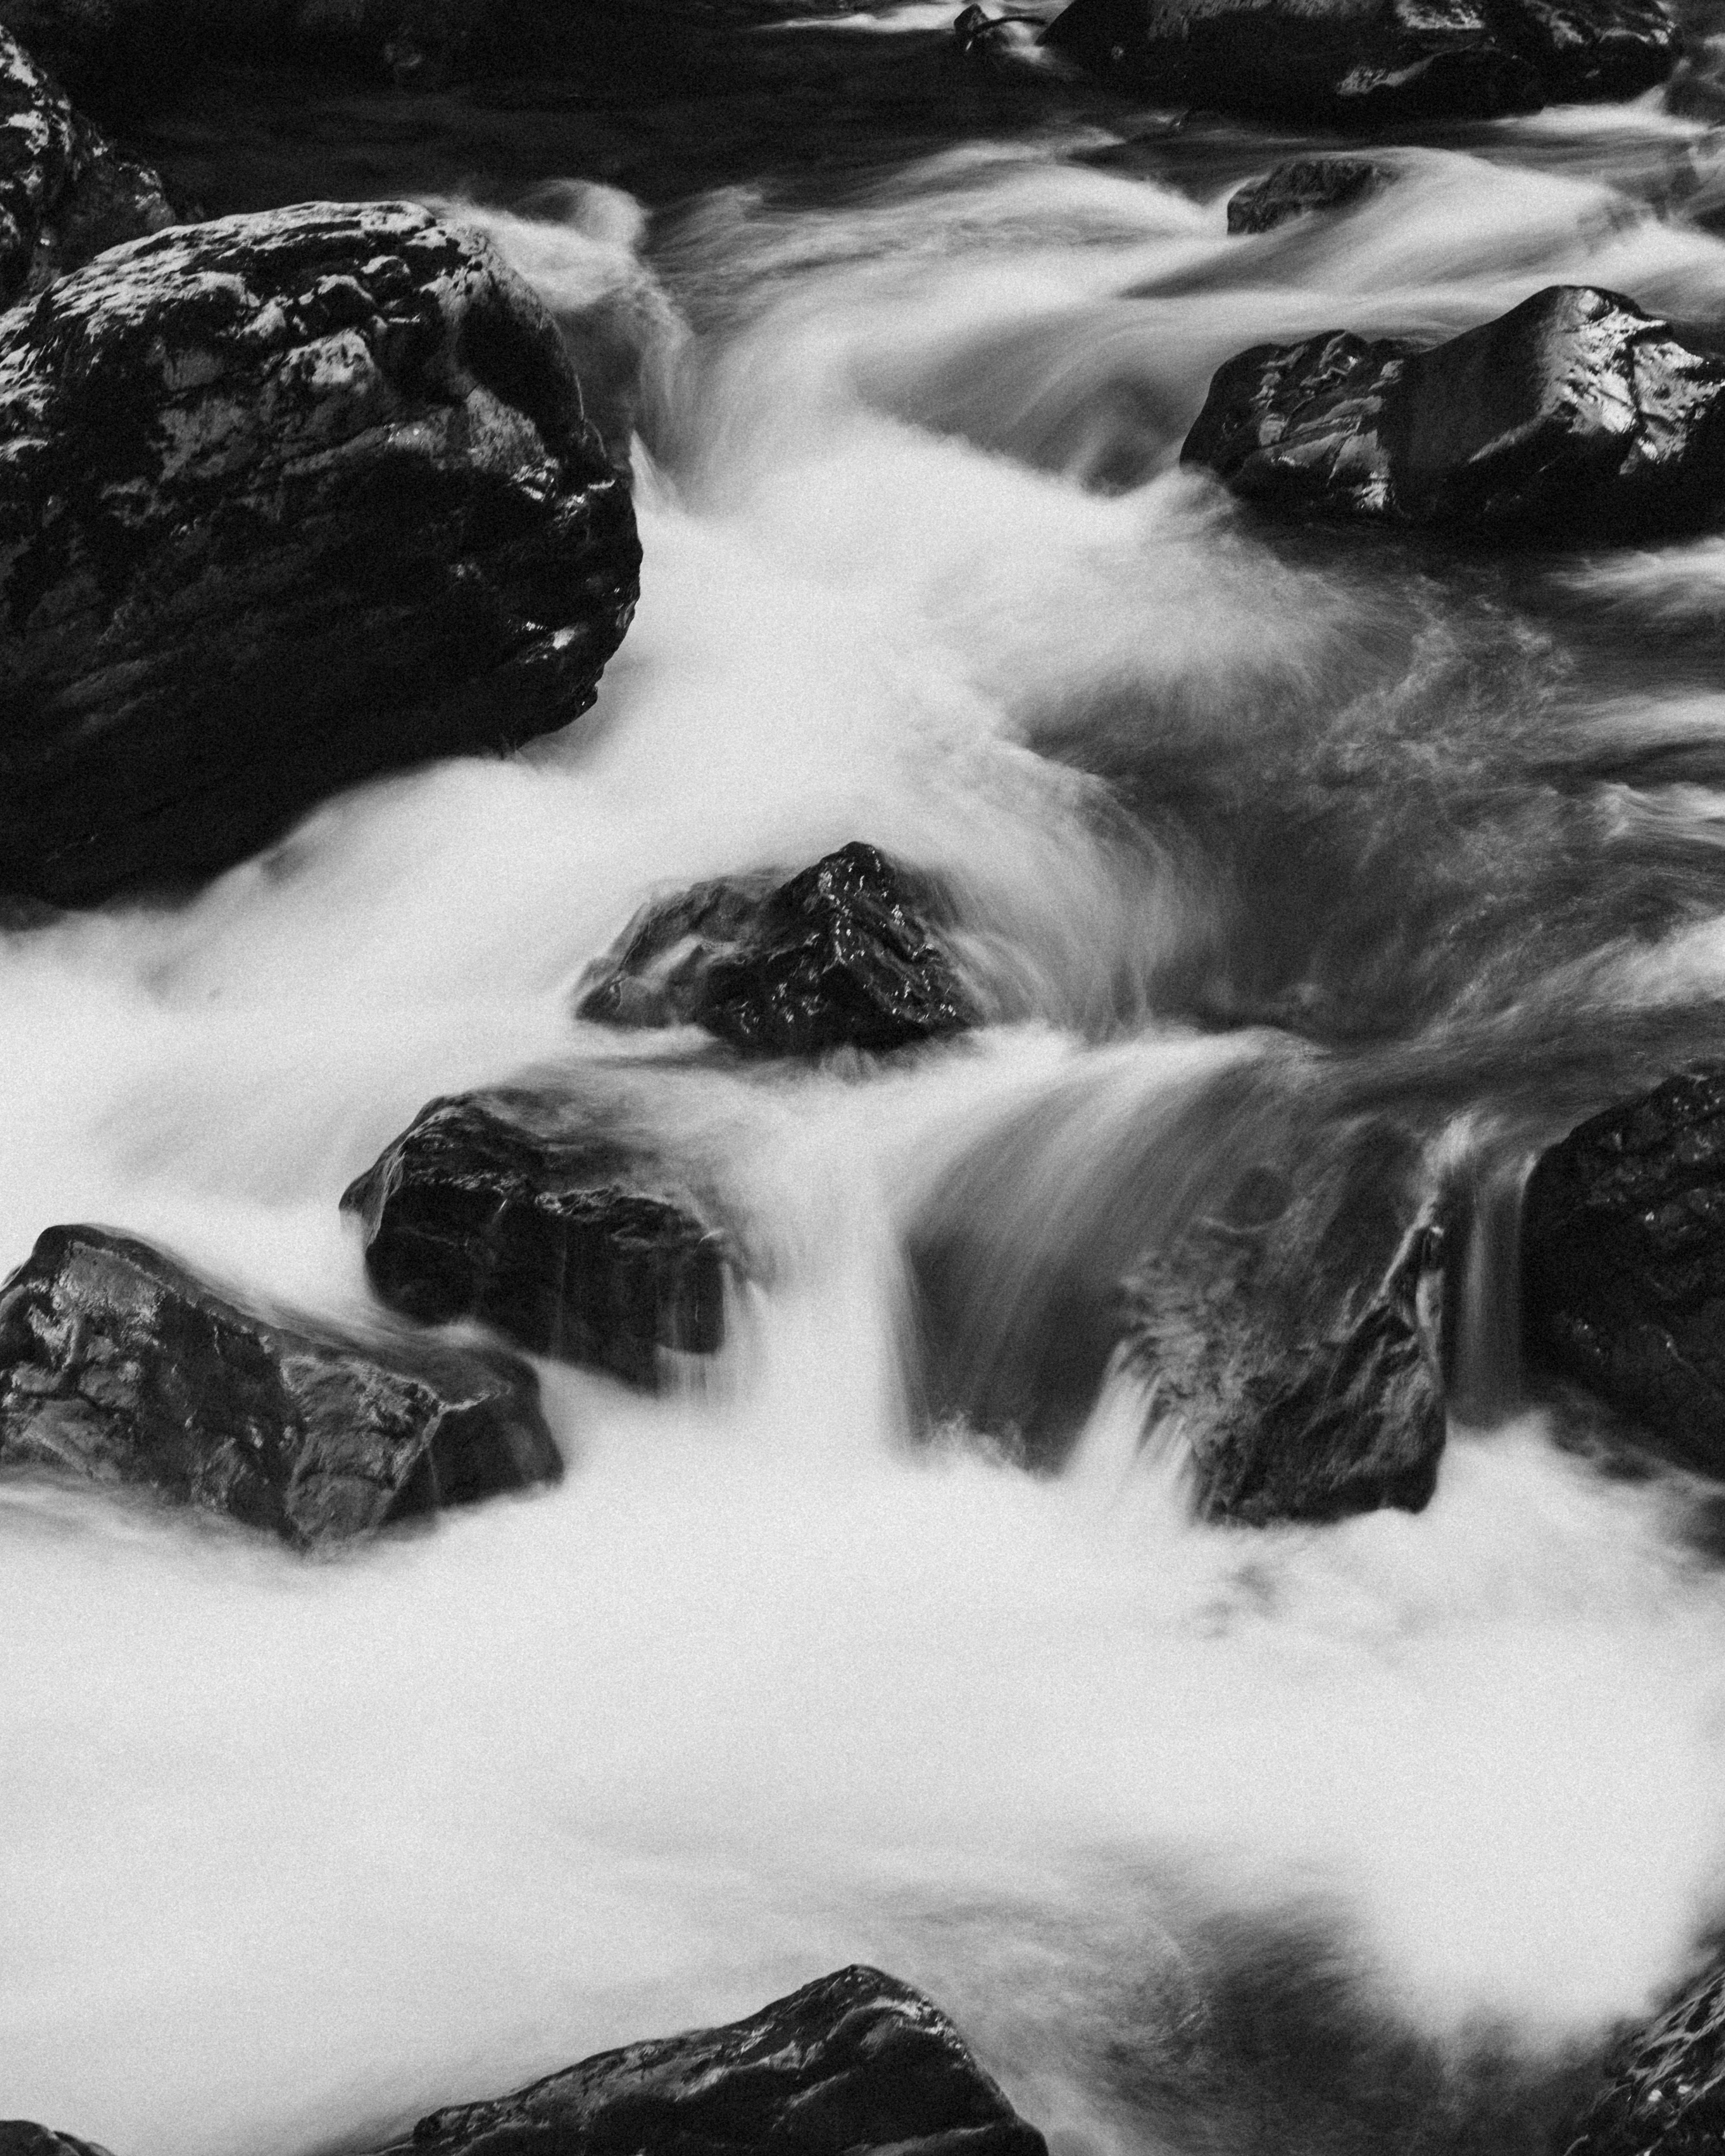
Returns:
(1359, 1838)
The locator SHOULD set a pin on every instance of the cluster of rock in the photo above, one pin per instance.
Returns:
(854, 2063)
(1359, 64)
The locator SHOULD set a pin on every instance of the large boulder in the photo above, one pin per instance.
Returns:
(1299, 185)
(1371, 63)
(513, 1208)
(1623, 1262)
(852, 2063)
(1666, 2097)
(118, 1365)
(286, 501)
(1573, 415)
(843, 955)
(65, 191)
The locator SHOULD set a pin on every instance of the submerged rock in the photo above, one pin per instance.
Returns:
(65, 191)
(508, 1208)
(286, 501)
(1371, 63)
(1623, 1262)
(1575, 414)
(841, 956)
(851, 2063)
(118, 1365)
(1300, 185)
(1340, 63)
(1667, 2098)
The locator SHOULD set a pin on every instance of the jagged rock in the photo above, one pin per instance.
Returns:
(1371, 63)
(509, 1208)
(21, 2137)
(286, 501)
(1668, 2096)
(1573, 415)
(65, 191)
(1302, 184)
(1343, 63)
(1623, 1262)
(1285, 1427)
(118, 1365)
(840, 955)
(852, 2063)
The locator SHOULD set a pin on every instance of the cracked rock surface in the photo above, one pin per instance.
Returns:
(65, 191)
(286, 500)
(1574, 414)
(118, 1365)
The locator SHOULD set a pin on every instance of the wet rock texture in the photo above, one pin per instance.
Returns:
(1302, 185)
(509, 1208)
(20, 2137)
(65, 191)
(841, 956)
(1623, 1262)
(853, 2062)
(286, 501)
(1667, 2098)
(1574, 414)
(1371, 63)
(118, 1365)
(1300, 1396)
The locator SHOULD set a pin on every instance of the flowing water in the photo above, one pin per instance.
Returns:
(1359, 1837)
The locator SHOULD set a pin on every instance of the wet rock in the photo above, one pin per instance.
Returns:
(118, 1365)
(509, 1208)
(1348, 1419)
(1573, 415)
(65, 191)
(1623, 1262)
(1667, 2096)
(1007, 45)
(1591, 49)
(1343, 63)
(852, 2062)
(841, 956)
(21, 2137)
(1300, 185)
(286, 501)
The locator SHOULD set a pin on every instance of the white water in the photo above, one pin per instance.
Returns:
(291, 1851)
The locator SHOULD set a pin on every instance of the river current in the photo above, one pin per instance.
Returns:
(1359, 1837)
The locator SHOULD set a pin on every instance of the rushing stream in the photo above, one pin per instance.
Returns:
(1355, 1837)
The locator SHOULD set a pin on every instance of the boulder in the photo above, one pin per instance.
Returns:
(118, 1365)
(21, 2137)
(1300, 185)
(1371, 63)
(852, 2063)
(1666, 2097)
(65, 191)
(1342, 63)
(513, 1209)
(1623, 1262)
(841, 956)
(1575, 415)
(286, 501)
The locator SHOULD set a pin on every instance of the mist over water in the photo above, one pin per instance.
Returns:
(1316, 1838)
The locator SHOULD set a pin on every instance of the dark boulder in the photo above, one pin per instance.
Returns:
(841, 956)
(1342, 63)
(511, 1207)
(1666, 2097)
(286, 501)
(1623, 1262)
(65, 191)
(20, 2137)
(1371, 63)
(118, 1365)
(1300, 185)
(1575, 415)
(852, 2063)
(1009, 45)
